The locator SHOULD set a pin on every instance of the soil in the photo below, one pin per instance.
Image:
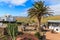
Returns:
(52, 36)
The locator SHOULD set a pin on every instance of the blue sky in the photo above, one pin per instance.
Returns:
(20, 7)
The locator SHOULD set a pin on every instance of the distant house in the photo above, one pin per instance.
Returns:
(7, 17)
(54, 25)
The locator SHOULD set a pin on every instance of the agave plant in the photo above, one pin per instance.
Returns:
(12, 30)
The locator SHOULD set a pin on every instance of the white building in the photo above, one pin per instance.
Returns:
(7, 17)
(54, 24)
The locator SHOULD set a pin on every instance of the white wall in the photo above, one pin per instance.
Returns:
(1, 24)
(8, 18)
(55, 28)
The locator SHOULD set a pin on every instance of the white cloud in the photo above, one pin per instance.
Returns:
(55, 6)
(34, 0)
(50, 1)
(23, 13)
(53, 1)
(14, 2)
(56, 9)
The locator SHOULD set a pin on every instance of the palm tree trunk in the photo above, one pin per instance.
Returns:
(39, 23)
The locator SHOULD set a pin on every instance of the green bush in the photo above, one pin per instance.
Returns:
(37, 34)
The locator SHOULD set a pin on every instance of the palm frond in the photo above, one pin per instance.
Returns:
(39, 9)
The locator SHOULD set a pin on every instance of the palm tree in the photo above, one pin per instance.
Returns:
(39, 10)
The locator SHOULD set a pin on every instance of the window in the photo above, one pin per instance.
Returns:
(56, 29)
(3, 19)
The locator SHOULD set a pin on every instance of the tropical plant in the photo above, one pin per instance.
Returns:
(12, 31)
(39, 10)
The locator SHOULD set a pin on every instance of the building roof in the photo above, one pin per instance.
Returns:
(58, 21)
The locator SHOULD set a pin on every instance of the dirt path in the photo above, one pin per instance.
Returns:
(52, 36)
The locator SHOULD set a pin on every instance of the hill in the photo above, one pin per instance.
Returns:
(56, 17)
(43, 20)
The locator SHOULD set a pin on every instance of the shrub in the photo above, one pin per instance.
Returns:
(37, 34)
(20, 33)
